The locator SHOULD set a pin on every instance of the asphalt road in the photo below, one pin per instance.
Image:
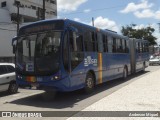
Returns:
(32, 100)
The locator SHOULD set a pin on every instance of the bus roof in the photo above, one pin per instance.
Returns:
(39, 25)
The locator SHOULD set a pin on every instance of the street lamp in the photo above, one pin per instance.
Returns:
(18, 5)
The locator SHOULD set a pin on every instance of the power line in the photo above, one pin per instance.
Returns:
(4, 23)
(6, 29)
(94, 10)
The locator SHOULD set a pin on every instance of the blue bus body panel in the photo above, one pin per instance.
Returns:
(140, 59)
(46, 83)
(114, 65)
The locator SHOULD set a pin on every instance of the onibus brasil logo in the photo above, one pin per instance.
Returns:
(89, 61)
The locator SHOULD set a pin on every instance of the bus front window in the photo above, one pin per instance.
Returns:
(47, 52)
(25, 52)
(39, 54)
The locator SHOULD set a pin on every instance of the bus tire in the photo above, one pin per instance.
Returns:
(89, 83)
(143, 68)
(125, 73)
(13, 88)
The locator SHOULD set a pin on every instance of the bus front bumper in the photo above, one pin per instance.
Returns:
(61, 85)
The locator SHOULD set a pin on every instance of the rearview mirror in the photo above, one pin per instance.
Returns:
(14, 43)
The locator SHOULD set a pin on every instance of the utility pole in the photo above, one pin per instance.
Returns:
(18, 5)
(93, 21)
(44, 9)
(159, 27)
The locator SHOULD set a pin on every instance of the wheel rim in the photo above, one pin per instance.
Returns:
(125, 73)
(89, 83)
(13, 88)
(143, 67)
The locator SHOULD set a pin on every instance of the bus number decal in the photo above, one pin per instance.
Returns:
(89, 61)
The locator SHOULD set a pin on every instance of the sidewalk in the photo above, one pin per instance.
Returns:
(141, 95)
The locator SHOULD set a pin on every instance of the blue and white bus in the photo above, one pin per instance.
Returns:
(65, 55)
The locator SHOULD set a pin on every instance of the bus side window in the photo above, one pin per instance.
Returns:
(126, 46)
(145, 47)
(71, 44)
(90, 42)
(137, 48)
(86, 39)
(104, 44)
(106, 38)
(123, 46)
(142, 44)
(77, 55)
(65, 53)
(94, 41)
(110, 44)
(114, 49)
(100, 42)
(141, 50)
(119, 45)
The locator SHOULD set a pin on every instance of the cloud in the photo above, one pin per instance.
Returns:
(139, 26)
(147, 13)
(131, 7)
(87, 11)
(69, 5)
(157, 15)
(157, 32)
(77, 19)
(142, 10)
(105, 23)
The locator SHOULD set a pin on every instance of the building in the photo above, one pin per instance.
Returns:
(29, 11)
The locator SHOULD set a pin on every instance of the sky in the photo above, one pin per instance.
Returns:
(113, 14)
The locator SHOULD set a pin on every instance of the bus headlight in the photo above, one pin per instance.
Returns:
(55, 77)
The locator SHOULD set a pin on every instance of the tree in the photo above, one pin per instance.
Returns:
(144, 33)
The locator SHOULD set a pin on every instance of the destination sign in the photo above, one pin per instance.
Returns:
(41, 27)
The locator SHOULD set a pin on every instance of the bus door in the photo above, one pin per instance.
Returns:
(76, 54)
(139, 62)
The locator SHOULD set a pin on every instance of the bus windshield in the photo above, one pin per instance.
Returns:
(39, 53)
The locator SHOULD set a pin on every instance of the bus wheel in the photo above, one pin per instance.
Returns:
(124, 73)
(89, 83)
(143, 69)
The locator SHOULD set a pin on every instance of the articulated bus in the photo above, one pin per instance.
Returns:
(65, 55)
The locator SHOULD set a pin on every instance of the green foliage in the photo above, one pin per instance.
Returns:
(144, 33)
